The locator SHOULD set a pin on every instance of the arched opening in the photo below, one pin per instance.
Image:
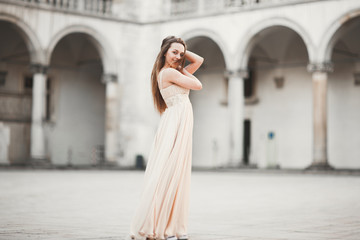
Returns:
(210, 148)
(15, 95)
(77, 102)
(344, 97)
(278, 97)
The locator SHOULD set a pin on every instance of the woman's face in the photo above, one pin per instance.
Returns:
(174, 55)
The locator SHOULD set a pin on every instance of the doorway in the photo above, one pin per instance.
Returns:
(247, 140)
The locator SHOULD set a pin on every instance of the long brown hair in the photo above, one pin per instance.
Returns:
(159, 63)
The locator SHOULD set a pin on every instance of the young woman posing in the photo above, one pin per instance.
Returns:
(164, 204)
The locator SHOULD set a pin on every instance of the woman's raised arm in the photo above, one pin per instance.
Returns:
(195, 61)
(183, 78)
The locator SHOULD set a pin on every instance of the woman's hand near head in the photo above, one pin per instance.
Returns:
(195, 61)
(183, 78)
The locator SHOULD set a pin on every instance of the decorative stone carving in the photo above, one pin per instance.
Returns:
(38, 68)
(279, 81)
(320, 67)
(239, 73)
(107, 78)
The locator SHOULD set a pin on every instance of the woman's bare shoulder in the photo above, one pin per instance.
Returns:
(170, 71)
(170, 74)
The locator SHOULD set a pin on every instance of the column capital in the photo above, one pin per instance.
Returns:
(236, 73)
(108, 78)
(38, 68)
(320, 67)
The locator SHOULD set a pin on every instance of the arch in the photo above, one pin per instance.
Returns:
(37, 55)
(99, 41)
(246, 45)
(202, 32)
(333, 33)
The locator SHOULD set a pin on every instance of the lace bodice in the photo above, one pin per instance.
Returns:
(173, 94)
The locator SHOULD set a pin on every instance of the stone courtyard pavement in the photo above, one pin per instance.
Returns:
(244, 205)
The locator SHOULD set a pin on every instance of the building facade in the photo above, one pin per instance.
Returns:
(281, 81)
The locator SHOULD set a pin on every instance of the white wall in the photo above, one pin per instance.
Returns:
(343, 118)
(288, 113)
(79, 116)
(138, 119)
(211, 132)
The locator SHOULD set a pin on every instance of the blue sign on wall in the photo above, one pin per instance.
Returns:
(271, 135)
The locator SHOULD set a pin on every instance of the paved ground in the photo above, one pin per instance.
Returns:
(79, 204)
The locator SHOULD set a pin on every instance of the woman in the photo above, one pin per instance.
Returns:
(163, 209)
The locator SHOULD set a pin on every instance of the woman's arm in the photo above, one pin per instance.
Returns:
(195, 61)
(183, 78)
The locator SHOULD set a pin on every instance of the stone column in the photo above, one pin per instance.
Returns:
(4, 143)
(319, 79)
(111, 117)
(38, 112)
(236, 114)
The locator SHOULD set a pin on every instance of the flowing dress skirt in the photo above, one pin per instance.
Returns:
(164, 203)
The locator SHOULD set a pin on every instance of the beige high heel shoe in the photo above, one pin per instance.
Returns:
(172, 238)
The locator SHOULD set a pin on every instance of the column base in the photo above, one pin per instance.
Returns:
(234, 163)
(40, 162)
(320, 166)
(242, 165)
(106, 164)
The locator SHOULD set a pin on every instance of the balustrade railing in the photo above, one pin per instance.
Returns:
(133, 10)
(102, 7)
(190, 7)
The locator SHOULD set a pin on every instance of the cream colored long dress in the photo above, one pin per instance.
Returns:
(164, 204)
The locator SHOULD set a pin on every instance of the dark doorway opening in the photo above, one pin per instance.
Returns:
(247, 140)
(249, 85)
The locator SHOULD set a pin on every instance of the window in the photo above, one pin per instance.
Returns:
(2, 78)
(249, 85)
